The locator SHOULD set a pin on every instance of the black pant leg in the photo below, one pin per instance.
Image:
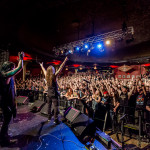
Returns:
(7, 114)
(49, 102)
(55, 104)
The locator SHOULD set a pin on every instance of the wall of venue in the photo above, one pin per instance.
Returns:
(134, 73)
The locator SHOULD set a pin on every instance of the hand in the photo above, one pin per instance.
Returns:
(21, 55)
(41, 63)
(102, 102)
(114, 109)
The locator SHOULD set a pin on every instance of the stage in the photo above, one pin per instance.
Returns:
(33, 131)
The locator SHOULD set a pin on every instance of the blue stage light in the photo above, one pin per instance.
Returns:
(99, 45)
(77, 48)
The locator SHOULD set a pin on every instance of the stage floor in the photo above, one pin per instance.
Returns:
(34, 132)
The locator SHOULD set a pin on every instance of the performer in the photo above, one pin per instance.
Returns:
(52, 95)
(7, 73)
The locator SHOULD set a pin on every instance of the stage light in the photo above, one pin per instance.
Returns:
(71, 51)
(107, 42)
(86, 46)
(99, 45)
(77, 48)
(95, 67)
(62, 51)
(80, 68)
(88, 52)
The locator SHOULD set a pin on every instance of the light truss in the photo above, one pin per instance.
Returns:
(114, 35)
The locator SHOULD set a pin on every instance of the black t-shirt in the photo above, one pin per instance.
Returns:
(132, 101)
(141, 101)
(123, 99)
(106, 101)
(112, 102)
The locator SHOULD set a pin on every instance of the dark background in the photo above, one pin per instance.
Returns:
(36, 26)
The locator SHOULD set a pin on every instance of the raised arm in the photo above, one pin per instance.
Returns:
(131, 91)
(143, 87)
(118, 90)
(17, 69)
(61, 66)
(43, 69)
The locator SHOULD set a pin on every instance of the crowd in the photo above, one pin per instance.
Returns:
(97, 93)
(100, 94)
(34, 88)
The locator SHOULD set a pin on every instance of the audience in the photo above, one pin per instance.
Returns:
(96, 93)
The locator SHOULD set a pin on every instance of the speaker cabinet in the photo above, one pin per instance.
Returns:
(71, 114)
(37, 106)
(81, 124)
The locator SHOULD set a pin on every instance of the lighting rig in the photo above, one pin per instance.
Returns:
(99, 42)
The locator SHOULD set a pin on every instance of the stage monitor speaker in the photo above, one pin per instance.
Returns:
(71, 114)
(21, 100)
(83, 126)
(44, 109)
(37, 106)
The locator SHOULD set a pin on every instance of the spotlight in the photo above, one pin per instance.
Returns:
(95, 67)
(99, 45)
(80, 68)
(62, 51)
(77, 48)
(107, 42)
(88, 52)
(86, 46)
(71, 51)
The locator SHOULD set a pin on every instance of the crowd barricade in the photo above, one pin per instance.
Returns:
(132, 118)
(64, 102)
